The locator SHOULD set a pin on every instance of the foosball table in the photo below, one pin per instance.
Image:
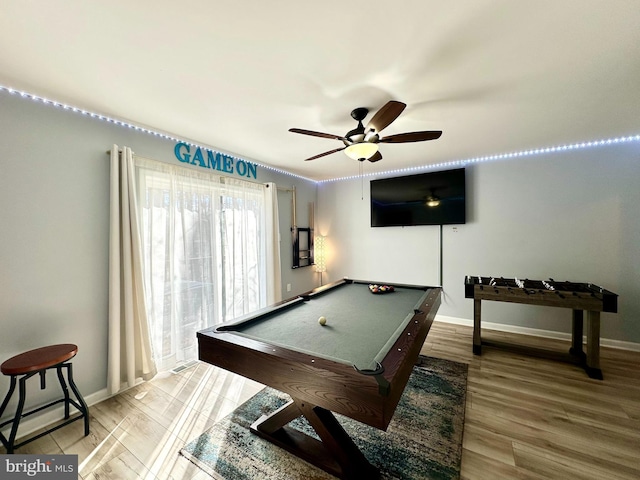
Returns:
(580, 297)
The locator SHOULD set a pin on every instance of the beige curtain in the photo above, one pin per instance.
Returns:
(274, 274)
(129, 357)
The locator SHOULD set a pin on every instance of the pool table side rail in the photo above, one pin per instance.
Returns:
(348, 281)
(258, 314)
(397, 285)
(402, 328)
(331, 385)
(324, 288)
(404, 354)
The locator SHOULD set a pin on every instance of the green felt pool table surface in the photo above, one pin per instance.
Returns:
(361, 326)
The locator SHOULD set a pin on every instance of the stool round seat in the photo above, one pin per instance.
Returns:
(38, 359)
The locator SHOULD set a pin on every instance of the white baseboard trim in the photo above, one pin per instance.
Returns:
(536, 332)
(52, 415)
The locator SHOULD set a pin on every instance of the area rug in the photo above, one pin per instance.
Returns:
(423, 440)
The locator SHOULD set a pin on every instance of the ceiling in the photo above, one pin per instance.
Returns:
(495, 76)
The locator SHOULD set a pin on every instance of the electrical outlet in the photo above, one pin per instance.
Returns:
(288, 287)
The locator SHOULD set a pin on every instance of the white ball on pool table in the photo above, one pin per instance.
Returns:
(322, 321)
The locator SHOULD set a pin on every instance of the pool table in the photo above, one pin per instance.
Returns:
(357, 364)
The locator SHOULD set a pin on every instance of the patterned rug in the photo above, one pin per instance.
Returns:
(423, 440)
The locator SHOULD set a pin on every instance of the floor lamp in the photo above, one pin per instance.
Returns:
(319, 253)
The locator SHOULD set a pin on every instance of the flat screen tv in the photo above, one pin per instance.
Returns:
(434, 198)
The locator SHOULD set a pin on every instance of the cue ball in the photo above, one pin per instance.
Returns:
(322, 320)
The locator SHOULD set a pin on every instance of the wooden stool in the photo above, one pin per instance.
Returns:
(38, 361)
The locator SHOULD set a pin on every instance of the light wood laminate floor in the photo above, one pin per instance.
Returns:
(526, 417)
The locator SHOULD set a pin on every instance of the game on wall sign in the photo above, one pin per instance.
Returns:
(215, 161)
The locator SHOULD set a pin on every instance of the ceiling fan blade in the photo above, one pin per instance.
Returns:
(387, 114)
(411, 137)
(376, 157)
(316, 134)
(325, 153)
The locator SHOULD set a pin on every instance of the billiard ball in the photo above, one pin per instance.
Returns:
(322, 321)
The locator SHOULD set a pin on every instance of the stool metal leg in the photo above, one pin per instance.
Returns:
(65, 390)
(12, 388)
(22, 389)
(83, 406)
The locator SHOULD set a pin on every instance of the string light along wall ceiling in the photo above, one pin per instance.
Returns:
(502, 156)
(437, 166)
(115, 121)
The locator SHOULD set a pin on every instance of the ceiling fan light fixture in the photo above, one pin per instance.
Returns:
(433, 201)
(361, 151)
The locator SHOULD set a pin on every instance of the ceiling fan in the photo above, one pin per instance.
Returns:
(362, 143)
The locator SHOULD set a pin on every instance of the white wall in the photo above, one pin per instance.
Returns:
(54, 226)
(355, 250)
(572, 215)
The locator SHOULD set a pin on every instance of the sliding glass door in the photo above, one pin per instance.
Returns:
(204, 252)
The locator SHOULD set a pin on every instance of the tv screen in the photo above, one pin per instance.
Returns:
(435, 198)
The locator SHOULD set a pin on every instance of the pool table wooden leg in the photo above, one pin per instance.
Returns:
(268, 424)
(336, 453)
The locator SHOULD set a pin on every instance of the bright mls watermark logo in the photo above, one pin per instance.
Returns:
(52, 467)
